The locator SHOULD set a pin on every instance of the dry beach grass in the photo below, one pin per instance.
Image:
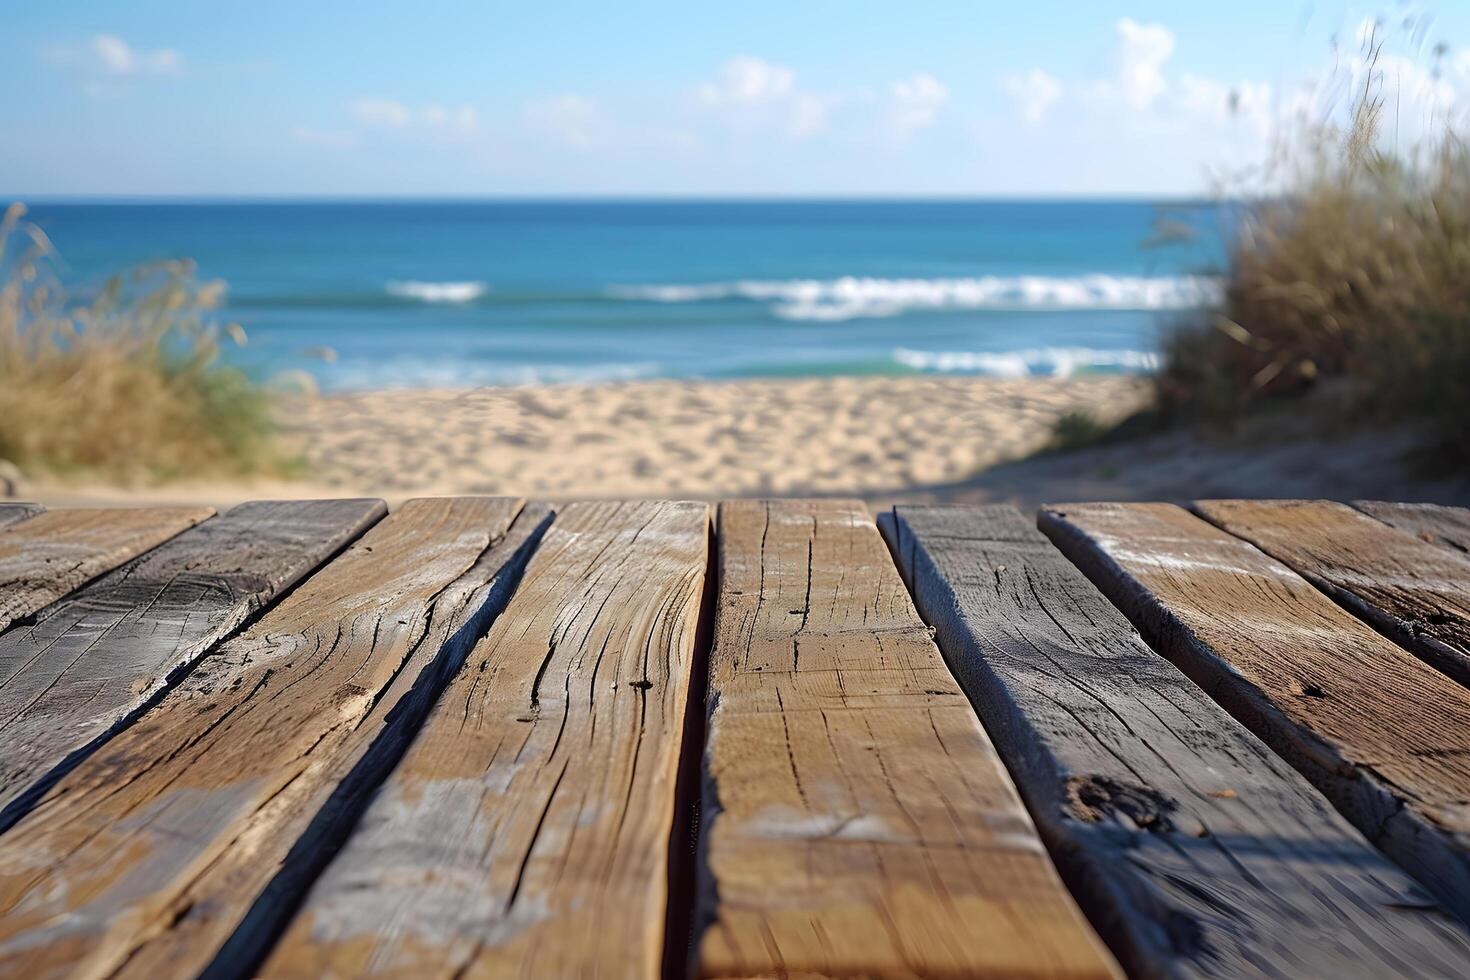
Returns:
(126, 386)
(1356, 272)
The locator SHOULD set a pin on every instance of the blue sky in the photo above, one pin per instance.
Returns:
(831, 97)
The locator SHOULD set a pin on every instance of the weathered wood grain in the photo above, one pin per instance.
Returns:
(1194, 848)
(1414, 592)
(14, 513)
(526, 832)
(98, 655)
(1435, 523)
(181, 843)
(1383, 735)
(856, 820)
(46, 556)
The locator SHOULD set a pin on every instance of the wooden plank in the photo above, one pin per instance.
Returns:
(856, 820)
(14, 513)
(1193, 847)
(1383, 735)
(45, 557)
(1437, 524)
(527, 831)
(100, 654)
(1414, 592)
(183, 841)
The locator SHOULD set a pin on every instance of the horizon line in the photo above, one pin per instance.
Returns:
(578, 198)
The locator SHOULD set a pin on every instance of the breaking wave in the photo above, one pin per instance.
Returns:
(852, 297)
(1057, 362)
(438, 292)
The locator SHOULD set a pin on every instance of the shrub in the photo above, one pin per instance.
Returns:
(1358, 273)
(127, 386)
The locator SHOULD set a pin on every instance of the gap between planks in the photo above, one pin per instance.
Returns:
(529, 829)
(1381, 734)
(95, 659)
(49, 554)
(240, 780)
(856, 819)
(1435, 523)
(1414, 592)
(15, 512)
(1194, 848)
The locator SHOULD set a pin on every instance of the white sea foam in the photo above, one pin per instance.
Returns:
(1058, 362)
(438, 292)
(851, 297)
(406, 372)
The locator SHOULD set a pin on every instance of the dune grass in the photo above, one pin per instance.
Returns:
(126, 387)
(1356, 276)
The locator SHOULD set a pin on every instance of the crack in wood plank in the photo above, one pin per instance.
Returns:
(14, 512)
(856, 820)
(104, 652)
(527, 831)
(1193, 847)
(51, 553)
(1412, 591)
(1380, 733)
(148, 856)
(1435, 523)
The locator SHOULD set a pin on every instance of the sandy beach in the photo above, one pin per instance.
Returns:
(882, 439)
(701, 439)
(859, 436)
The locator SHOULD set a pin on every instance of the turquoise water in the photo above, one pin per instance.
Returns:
(410, 294)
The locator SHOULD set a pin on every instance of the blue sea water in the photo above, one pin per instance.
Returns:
(465, 293)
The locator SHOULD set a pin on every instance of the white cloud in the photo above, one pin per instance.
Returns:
(570, 118)
(809, 112)
(915, 102)
(1142, 53)
(393, 114)
(114, 56)
(1035, 92)
(747, 80)
(1368, 30)
(1215, 101)
(107, 64)
(460, 119)
(752, 89)
(381, 112)
(1407, 82)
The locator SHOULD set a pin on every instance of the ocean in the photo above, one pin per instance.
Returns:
(409, 294)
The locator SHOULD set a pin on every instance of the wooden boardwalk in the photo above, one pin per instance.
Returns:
(486, 737)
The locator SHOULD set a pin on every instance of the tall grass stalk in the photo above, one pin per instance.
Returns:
(127, 386)
(1357, 273)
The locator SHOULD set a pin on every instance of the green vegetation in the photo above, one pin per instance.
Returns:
(1356, 277)
(1076, 430)
(128, 386)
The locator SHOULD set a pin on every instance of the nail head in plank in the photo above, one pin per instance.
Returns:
(526, 832)
(48, 555)
(1414, 592)
(856, 819)
(1435, 523)
(14, 513)
(210, 811)
(1194, 848)
(1384, 736)
(103, 651)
